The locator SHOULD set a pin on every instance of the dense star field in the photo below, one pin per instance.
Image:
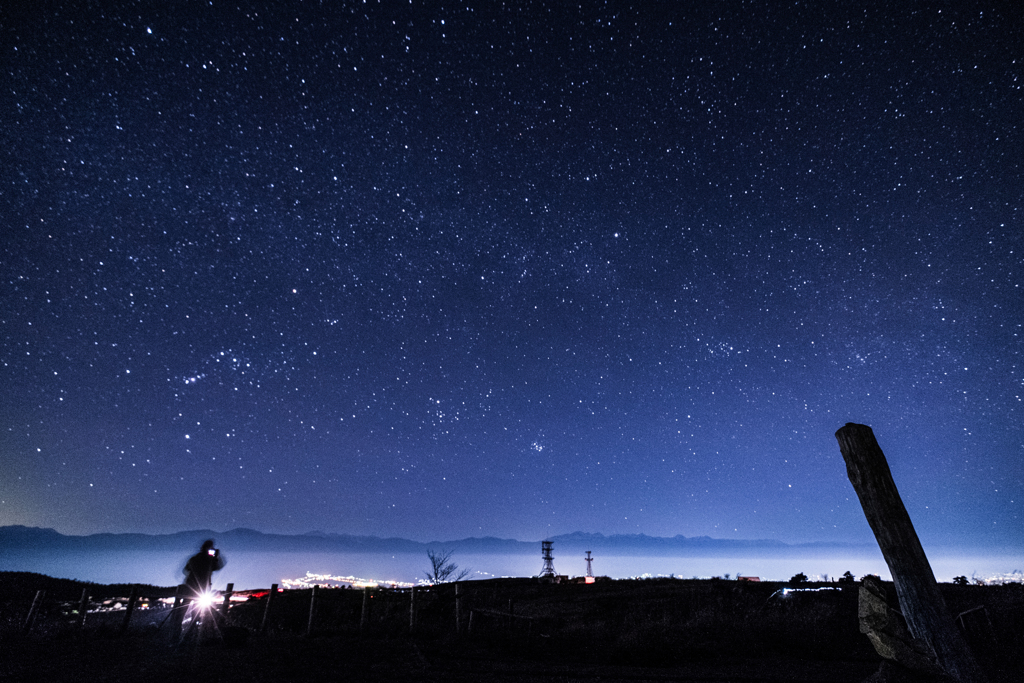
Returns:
(436, 270)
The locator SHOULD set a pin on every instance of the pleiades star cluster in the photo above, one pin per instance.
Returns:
(438, 270)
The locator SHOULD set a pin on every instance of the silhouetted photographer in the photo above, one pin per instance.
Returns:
(200, 568)
(194, 596)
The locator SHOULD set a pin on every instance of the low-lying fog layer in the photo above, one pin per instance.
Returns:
(249, 569)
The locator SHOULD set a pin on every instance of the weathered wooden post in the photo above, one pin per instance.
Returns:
(365, 614)
(133, 598)
(83, 606)
(312, 610)
(458, 607)
(227, 599)
(33, 611)
(412, 609)
(922, 604)
(266, 610)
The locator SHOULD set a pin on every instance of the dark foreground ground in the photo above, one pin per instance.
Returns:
(656, 630)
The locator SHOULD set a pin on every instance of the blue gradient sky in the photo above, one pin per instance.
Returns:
(441, 270)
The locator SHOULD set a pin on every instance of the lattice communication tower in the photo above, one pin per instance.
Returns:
(549, 560)
(590, 570)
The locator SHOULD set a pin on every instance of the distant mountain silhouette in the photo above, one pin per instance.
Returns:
(25, 538)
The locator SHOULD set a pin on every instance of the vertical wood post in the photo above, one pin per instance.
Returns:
(227, 599)
(365, 614)
(312, 610)
(83, 607)
(458, 608)
(33, 611)
(922, 604)
(266, 610)
(412, 609)
(133, 598)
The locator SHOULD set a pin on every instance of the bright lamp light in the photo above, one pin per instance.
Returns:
(205, 600)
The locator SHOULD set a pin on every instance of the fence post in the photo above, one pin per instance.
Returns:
(266, 610)
(133, 598)
(364, 616)
(227, 599)
(37, 603)
(83, 606)
(312, 610)
(919, 596)
(412, 609)
(458, 608)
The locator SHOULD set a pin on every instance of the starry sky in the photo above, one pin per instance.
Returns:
(438, 270)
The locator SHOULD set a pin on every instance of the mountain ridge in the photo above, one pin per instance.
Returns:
(242, 538)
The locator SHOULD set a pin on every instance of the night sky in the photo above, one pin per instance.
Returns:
(514, 269)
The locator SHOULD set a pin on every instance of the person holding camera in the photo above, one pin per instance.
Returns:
(194, 597)
(200, 568)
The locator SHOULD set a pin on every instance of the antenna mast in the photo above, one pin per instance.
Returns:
(548, 572)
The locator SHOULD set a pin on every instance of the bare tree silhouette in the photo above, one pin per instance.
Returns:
(442, 569)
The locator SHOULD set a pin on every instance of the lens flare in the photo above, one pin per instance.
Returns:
(205, 600)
